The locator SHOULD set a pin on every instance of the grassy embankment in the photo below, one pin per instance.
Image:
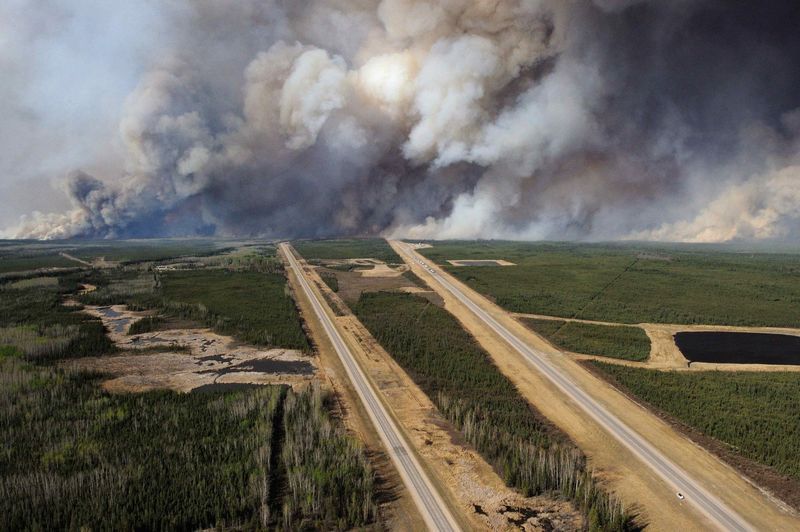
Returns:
(455, 372)
(633, 284)
(626, 343)
(367, 248)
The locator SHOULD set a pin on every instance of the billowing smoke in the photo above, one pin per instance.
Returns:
(568, 119)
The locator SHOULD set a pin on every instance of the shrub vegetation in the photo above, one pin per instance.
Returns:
(145, 325)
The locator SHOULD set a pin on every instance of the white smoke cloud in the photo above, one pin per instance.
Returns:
(314, 89)
(456, 118)
(762, 207)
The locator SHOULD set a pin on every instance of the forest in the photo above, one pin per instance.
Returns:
(627, 343)
(362, 248)
(470, 391)
(35, 323)
(632, 283)
(82, 458)
(754, 414)
(76, 457)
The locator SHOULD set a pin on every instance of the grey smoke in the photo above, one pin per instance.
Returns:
(586, 119)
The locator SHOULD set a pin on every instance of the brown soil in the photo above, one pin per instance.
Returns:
(353, 283)
(468, 262)
(636, 484)
(468, 483)
(185, 359)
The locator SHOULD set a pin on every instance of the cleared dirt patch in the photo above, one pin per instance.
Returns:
(186, 359)
(351, 284)
(739, 348)
(481, 262)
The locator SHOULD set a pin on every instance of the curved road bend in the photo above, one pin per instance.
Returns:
(717, 511)
(431, 505)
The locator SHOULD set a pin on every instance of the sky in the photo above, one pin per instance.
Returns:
(522, 119)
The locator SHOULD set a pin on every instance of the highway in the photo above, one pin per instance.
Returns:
(681, 482)
(431, 505)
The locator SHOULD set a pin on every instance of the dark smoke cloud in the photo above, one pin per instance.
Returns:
(460, 118)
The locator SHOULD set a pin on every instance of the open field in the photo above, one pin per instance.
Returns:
(752, 414)
(631, 283)
(186, 359)
(627, 343)
(528, 452)
(373, 248)
(253, 306)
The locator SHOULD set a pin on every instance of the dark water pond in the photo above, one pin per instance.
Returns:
(108, 312)
(739, 348)
(267, 366)
(225, 387)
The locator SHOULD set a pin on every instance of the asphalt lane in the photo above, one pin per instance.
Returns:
(717, 511)
(431, 505)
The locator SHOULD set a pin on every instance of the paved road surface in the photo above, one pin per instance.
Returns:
(720, 514)
(430, 503)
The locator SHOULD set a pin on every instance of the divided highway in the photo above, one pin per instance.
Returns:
(717, 511)
(431, 505)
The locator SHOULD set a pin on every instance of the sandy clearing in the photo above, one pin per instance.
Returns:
(383, 270)
(204, 358)
(468, 481)
(414, 290)
(466, 262)
(75, 259)
(637, 485)
(183, 372)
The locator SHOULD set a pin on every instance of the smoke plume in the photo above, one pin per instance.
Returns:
(580, 119)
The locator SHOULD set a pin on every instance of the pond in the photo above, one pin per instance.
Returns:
(739, 348)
